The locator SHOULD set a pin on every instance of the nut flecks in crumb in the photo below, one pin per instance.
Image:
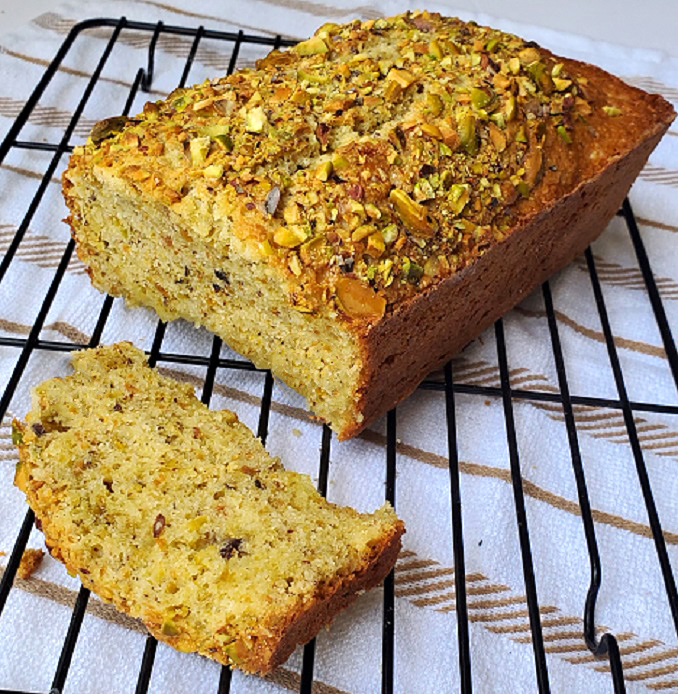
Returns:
(231, 547)
(158, 525)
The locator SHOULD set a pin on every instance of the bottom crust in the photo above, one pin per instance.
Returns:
(303, 626)
(298, 629)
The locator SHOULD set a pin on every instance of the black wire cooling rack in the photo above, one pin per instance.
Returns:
(604, 647)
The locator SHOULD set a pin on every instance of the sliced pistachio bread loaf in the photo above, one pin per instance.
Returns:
(177, 515)
(354, 210)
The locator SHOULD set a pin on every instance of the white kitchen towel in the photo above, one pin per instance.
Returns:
(632, 602)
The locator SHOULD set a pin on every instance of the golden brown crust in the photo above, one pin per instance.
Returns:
(337, 597)
(297, 629)
(268, 652)
(302, 626)
(377, 158)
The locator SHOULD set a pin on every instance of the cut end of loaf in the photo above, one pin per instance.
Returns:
(231, 292)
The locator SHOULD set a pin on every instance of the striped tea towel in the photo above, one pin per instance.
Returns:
(348, 657)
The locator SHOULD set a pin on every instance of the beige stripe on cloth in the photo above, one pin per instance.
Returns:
(499, 610)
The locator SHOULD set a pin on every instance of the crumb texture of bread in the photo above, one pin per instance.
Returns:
(302, 208)
(30, 563)
(178, 516)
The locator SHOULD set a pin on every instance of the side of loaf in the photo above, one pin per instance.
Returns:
(176, 515)
(351, 212)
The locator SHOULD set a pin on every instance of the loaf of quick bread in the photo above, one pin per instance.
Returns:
(177, 515)
(356, 209)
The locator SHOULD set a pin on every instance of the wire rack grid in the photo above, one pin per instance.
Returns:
(605, 647)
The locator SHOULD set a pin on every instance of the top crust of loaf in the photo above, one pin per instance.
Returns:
(377, 159)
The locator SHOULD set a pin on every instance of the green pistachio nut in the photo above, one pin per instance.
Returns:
(17, 435)
(564, 135)
(313, 46)
(108, 128)
(458, 196)
(467, 133)
(199, 147)
(255, 120)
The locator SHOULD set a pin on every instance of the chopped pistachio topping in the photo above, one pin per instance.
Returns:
(107, 128)
(224, 141)
(467, 133)
(290, 236)
(357, 300)
(435, 49)
(480, 97)
(563, 134)
(434, 103)
(403, 78)
(390, 233)
(388, 154)
(255, 120)
(17, 436)
(213, 171)
(363, 231)
(413, 215)
(324, 171)
(458, 196)
(312, 46)
(199, 148)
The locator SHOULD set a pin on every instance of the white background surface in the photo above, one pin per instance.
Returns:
(648, 24)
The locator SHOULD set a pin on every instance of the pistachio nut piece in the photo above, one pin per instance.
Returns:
(198, 148)
(289, 236)
(403, 78)
(108, 128)
(255, 120)
(480, 98)
(324, 171)
(467, 133)
(414, 216)
(434, 104)
(313, 46)
(459, 196)
(357, 300)
(435, 50)
(213, 171)
(17, 434)
(564, 134)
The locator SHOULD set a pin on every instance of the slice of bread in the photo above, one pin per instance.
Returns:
(178, 516)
